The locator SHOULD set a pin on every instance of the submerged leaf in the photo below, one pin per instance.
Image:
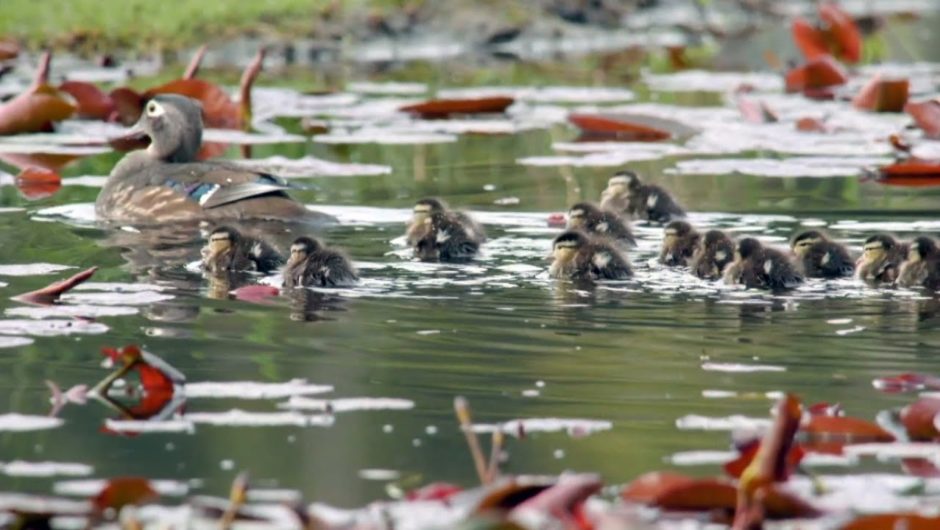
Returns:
(442, 108)
(38, 183)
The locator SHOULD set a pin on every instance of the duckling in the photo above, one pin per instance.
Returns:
(820, 256)
(577, 256)
(679, 243)
(626, 193)
(712, 255)
(313, 265)
(439, 234)
(881, 260)
(165, 182)
(922, 266)
(593, 220)
(758, 266)
(227, 250)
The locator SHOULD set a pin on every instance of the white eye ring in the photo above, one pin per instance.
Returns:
(154, 109)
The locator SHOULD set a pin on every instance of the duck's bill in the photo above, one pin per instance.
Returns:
(134, 139)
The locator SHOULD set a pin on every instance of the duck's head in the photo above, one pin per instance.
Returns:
(921, 248)
(301, 249)
(425, 208)
(746, 248)
(676, 230)
(876, 248)
(580, 214)
(567, 244)
(221, 241)
(173, 125)
(713, 237)
(804, 240)
(623, 183)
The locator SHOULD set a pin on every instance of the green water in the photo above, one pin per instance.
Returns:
(631, 355)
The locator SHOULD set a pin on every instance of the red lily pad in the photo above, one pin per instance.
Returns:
(808, 124)
(843, 34)
(556, 220)
(882, 95)
(38, 183)
(926, 115)
(256, 293)
(816, 75)
(634, 127)
(843, 429)
(918, 419)
(37, 108)
(912, 167)
(51, 293)
(808, 38)
(123, 491)
(907, 383)
(93, 103)
(883, 521)
(442, 108)
(435, 491)
(128, 104)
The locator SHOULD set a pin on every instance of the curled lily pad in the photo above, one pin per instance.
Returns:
(442, 108)
(37, 108)
(881, 94)
(53, 291)
(816, 75)
(93, 103)
(926, 115)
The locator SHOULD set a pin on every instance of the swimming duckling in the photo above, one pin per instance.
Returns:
(626, 193)
(762, 267)
(714, 252)
(593, 220)
(922, 266)
(165, 182)
(227, 250)
(679, 243)
(577, 256)
(439, 234)
(881, 260)
(820, 256)
(312, 265)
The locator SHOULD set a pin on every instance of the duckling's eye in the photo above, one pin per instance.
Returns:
(154, 109)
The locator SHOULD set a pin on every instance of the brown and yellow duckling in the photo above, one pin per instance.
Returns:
(439, 234)
(821, 257)
(589, 218)
(227, 250)
(313, 265)
(922, 266)
(757, 266)
(627, 194)
(881, 260)
(166, 183)
(679, 243)
(714, 252)
(578, 256)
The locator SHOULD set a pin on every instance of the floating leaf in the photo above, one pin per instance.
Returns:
(912, 167)
(807, 124)
(918, 419)
(893, 521)
(843, 34)
(619, 127)
(38, 183)
(843, 429)
(128, 104)
(123, 491)
(51, 293)
(809, 39)
(93, 103)
(926, 115)
(646, 488)
(36, 108)
(882, 95)
(816, 75)
(906, 383)
(442, 108)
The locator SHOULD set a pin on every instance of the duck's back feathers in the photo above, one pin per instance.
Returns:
(323, 268)
(827, 259)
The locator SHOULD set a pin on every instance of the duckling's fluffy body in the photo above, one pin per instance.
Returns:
(881, 260)
(757, 266)
(227, 250)
(578, 256)
(312, 265)
(436, 233)
(713, 254)
(679, 243)
(922, 266)
(820, 257)
(627, 194)
(166, 183)
(590, 219)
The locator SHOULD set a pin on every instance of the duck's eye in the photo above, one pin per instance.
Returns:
(154, 109)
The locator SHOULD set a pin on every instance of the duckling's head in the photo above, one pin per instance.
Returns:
(580, 214)
(301, 249)
(623, 183)
(747, 247)
(713, 237)
(921, 248)
(427, 207)
(567, 244)
(173, 124)
(877, 247)
(802, 242)
(221, 241)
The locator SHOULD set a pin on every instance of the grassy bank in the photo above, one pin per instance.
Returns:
(104, 25)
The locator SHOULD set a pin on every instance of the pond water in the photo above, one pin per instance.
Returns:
(636, 357)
